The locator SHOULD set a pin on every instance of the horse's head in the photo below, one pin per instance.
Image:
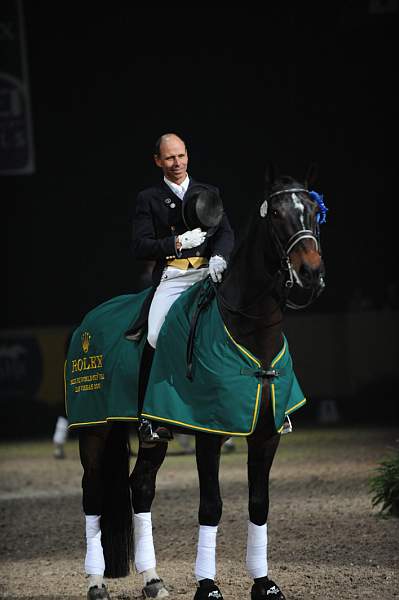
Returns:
(293, 214)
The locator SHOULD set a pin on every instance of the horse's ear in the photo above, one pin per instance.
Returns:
(311, 176)
(270, 174)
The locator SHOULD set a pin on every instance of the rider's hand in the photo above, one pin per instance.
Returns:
(217, 265)
(192, 239)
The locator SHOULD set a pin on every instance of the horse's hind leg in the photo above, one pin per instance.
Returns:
(92, 441)
(208, 449)
(261, 453)
(142, 483)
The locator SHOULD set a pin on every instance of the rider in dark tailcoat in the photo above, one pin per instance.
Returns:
(158, 220)
(179, 224)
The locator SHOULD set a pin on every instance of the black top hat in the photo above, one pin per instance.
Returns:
(202, 207)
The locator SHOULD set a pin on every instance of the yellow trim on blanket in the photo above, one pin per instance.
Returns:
(243, 350)
(189, 426)
(65, 390)
(274, 362)
(102, 422)
(258, 390)
(220, 431)
(292, 409)
(280, 355)
(297, 405)
(87, 423)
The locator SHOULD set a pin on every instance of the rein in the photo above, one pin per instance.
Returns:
(240, 310)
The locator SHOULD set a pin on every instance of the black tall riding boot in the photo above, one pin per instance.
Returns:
(146, 431)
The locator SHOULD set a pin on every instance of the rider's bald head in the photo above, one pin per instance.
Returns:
(166, 138)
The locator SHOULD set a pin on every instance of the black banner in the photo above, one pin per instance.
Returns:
(16, 142)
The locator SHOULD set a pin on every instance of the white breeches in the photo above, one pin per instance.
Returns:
(173, 283)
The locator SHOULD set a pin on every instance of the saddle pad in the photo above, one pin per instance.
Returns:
(102, 366)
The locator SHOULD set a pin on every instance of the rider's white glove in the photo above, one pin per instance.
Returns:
(192, 239)
(217, 265)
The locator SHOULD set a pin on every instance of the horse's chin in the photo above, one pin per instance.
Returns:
(304, 293)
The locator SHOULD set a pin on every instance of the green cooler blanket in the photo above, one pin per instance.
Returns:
(101, 371)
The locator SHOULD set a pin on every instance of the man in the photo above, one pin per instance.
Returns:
(187, 242)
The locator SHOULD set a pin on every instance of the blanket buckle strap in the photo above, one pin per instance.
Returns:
(260, 373)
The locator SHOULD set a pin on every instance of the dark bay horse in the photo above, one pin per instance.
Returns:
(276, 264)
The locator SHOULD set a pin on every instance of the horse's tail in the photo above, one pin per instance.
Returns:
(116, 518)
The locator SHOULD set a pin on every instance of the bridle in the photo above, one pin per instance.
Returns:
(298, 236)
(285, 277)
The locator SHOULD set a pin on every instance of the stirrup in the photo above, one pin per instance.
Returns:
(149, 436)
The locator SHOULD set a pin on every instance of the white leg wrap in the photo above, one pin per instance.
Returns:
(205, 564)
(94, 561)
(61, 431)
(144, 553)
(257, 550)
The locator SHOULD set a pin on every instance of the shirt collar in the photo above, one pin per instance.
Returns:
(178, 189)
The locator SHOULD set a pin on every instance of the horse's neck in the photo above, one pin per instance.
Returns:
(249, 305)
(262, 337)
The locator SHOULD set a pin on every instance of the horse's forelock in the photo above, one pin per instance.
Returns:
(285, 181)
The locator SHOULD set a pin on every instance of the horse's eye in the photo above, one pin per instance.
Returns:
(274, 212)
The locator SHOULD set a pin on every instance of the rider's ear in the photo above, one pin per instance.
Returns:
(311, 176)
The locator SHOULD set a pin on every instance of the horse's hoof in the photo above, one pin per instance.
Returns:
(59, 452)
(266, 589)
(208, 589)
(155, 589)
(96, 593)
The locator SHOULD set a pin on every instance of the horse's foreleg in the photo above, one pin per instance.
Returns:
(142, 482)
(261, 453)
(92, 443)
(210, 511)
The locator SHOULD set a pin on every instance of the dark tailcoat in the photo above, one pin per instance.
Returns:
(157, 220)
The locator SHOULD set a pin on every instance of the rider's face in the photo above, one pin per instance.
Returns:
(173, 159)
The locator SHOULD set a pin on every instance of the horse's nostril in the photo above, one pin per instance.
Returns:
(308, 275)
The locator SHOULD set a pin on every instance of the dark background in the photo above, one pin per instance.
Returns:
(301, 82)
